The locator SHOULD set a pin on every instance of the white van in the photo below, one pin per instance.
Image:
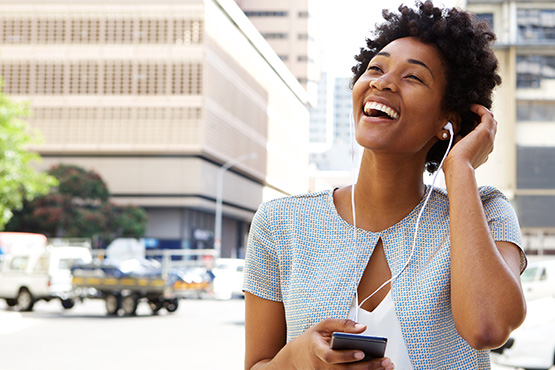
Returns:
(30, 274)
(538, 280)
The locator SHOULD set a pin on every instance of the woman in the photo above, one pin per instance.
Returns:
(321, 263)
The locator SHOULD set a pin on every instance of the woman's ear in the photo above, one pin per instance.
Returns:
(455, 120)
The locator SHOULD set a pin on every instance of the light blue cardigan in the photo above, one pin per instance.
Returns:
(302, 253)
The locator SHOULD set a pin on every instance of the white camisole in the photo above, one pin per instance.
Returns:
(383, 322)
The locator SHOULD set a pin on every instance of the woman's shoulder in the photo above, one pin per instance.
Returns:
(297, 203)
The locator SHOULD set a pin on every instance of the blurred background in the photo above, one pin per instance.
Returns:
(149, 132)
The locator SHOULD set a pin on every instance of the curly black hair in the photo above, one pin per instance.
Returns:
(466, 44)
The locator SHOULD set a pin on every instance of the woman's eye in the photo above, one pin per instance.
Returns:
(374, 68)
(415, 78)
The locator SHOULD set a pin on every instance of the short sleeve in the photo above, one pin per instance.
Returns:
(261, 262)
(502, 220)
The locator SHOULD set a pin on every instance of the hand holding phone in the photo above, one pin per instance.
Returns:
(373, 347)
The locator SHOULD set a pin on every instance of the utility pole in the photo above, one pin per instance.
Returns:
(219, 196)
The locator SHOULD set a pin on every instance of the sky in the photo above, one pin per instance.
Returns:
(345, 24)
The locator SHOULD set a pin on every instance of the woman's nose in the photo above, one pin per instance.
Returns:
(382, 83)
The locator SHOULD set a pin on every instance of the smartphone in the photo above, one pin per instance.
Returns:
(373, 347)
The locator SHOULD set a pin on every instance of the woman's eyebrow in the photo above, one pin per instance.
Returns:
(411, 61)
(418, 62)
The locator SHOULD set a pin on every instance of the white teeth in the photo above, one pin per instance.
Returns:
(382, 108)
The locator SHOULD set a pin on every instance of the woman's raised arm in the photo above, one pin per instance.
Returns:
(486, 293)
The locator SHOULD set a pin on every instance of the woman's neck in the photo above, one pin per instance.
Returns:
(386, 191)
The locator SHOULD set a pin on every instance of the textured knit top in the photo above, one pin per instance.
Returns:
(302, 253)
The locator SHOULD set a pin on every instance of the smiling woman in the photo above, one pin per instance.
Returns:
(435, 271)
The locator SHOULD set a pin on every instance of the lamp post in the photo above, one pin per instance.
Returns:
(219, 196)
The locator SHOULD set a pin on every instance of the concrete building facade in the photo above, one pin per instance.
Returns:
(523, 164)
(290, 27)
(157, 97)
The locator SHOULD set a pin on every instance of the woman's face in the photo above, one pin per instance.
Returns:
(397, 101)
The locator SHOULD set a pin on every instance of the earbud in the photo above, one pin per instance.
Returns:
(449, 127)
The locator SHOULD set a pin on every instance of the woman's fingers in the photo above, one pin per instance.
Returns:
(475, 147)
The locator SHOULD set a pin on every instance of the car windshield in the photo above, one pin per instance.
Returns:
(529, 274)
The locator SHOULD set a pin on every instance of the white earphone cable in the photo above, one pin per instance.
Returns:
(449, 127)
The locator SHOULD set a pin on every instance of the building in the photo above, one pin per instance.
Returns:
(320, 133)
(157, 97)
(333, 165)
(290, 27)
(523, 164)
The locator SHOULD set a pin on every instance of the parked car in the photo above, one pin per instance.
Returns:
(539, 279)
(28, 275)
(228, 278)
(532, 345)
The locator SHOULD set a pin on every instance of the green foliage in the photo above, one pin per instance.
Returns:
(79, 207)
(79, 183)
(19, 180)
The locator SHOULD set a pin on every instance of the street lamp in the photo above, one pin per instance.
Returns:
(219, 195)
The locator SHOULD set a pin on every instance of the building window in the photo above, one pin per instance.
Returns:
(15, 30)
(533, 69)
(535, 111)
(284, 58)
(487, 17)
(110, 77)
(302, 36)
(274, 35)
(304, 58)
(255, 13)
(536, 25)
(535, 167)
(96, 30)
(85, 31)
(303, 14)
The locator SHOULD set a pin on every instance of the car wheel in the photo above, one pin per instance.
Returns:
(129, 305)
(25, 301)
(155, 306)
(68, 303)
(113, 304)
(171, 305)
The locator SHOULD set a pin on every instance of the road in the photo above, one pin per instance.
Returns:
(200, 335)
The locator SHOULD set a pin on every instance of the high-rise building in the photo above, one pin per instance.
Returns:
(523, 163)
(290, 27)
(158, 97)
(334, 164)
(320, 134)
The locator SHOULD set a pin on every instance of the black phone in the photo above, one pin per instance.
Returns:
(373, 347)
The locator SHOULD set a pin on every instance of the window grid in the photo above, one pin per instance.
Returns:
(85, 31)
(101, 78)
(15, 31)
(50, 30)
(95, 30)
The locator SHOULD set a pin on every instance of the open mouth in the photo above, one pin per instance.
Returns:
(373, 109)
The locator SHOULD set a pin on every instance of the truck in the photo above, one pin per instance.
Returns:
(159, 280)
(33, 268)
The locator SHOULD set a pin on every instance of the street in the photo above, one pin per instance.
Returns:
(200, 335)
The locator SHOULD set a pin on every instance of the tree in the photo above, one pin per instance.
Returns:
(19, 179)
(79, 206)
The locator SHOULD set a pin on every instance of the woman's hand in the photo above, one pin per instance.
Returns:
(266, 346)
(475, 147)
(311, 350)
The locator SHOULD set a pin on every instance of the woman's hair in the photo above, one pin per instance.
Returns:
(465, 43)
